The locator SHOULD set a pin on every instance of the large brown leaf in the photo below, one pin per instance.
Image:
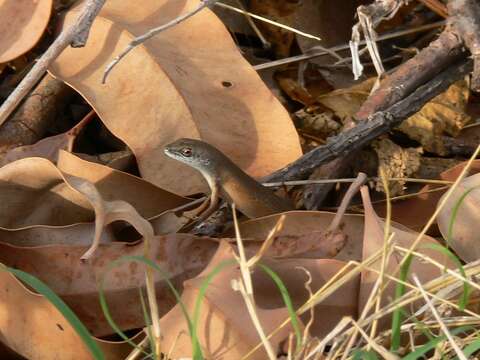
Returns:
(425, 202)
(189, 81)
(306, 229)
(465, 236)
(33, 192)
(23, 23)
(181, 256)
(373, 240)
(222, 332)
(33, 327)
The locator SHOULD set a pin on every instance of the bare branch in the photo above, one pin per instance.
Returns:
(75, 35)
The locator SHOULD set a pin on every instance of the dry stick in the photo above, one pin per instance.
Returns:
(466, 23)
(436, 6)
(377, 124)
(352, 190)
(289, 28)
(76, 36)
(316, 52)
(152, 32)
(266, 44)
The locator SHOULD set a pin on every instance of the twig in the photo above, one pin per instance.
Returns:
(431, 61)
(436, 6)
(316, 52)
(377, 124)
(465, 20)
(76, 36)
(152, 32)
(266, 44)
(352, 190)
(289, 28)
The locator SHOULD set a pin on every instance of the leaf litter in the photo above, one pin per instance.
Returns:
(65, 218)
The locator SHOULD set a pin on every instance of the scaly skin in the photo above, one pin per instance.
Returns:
(227, 179)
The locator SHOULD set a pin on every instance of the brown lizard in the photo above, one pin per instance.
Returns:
(226, 179)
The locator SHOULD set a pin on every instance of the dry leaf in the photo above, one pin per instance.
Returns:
(222, 333)
(281, 11)
(146, 198)
(34, 328)
(346, 102)
(396, 162)
(34, 192)
(445, 114)
(162, 91)
(181, 256)
(373, 241)
(424, 203)
(294, 274)
(464, 237)
(306, 230)
(49, 147)
(23, 23)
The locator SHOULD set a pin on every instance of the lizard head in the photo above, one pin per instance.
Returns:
(195, 153)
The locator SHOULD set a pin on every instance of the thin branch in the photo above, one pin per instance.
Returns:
(377, 124)
(316, 52)
(152, 32)
(289, 28)
(351, 192)
(76, 35)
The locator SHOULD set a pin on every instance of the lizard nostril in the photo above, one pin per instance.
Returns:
(227, 84)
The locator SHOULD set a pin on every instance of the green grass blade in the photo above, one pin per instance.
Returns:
(453, 217)
(397, 313)
(364, 355)
(148, 322)
(466, 288)
(201, 294)
(472, 348)
(67, 313)
(288, 302)
(422, 350)
(104, 305)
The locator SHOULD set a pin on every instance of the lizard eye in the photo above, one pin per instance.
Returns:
(187, 152)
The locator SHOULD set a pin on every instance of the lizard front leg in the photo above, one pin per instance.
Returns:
(212, 202)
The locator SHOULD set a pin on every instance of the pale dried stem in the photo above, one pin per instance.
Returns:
(152, 32)
(437, 316)
(313, 53)
(386, 238)
(75, 35)
(352, 190)
(286, 27)
(350, 180)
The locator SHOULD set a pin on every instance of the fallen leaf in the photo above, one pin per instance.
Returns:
(181, 256)
(346, 102)
(294, 274)
(34, 192)
(35, 329)
(306, 230)
(395, 162)
(373, 241)
(48, 147)
(23, 23)
(162, 91)
(112, 184)
(425, 202)
(222, 333)
(464, 237)
(444, 114)
(281, 11)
